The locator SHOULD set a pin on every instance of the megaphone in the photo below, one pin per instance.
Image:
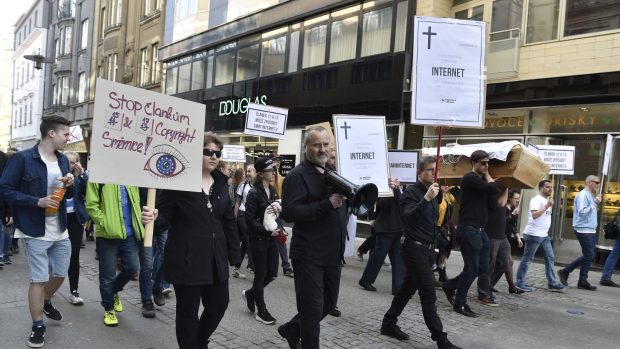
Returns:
(363, 197)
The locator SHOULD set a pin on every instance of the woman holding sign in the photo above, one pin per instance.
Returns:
(202, 243)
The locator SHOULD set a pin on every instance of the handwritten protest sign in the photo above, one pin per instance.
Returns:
(146, 139)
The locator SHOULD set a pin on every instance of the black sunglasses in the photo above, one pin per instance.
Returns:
(209, 153)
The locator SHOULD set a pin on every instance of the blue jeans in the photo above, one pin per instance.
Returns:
(612, 260)
(475, 250)
(386, 244)
(531, 246)
(109, 282)
(588, 248)
(159, 241)
(2, 241)
(146, 271)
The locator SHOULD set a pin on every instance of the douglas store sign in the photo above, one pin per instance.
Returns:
(239, 106)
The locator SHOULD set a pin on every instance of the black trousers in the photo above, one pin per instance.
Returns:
(193, 332)
(76, 231)
(244, 238)
(265, 258)
(418, 262)
(316, 291)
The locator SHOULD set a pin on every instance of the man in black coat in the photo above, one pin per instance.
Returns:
(317, 246)
(420, 212)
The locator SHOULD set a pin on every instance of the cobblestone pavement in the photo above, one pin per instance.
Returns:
(362, 310)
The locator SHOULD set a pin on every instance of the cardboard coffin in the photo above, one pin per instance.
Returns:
(521, 170)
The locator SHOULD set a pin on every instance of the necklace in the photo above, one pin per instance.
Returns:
(208, 196)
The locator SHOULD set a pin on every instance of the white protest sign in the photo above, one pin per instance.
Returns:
(608, 144)
(448, 78)
(75, 134)
(560, 158)
(361, 150)
(233, 153)
(146, 139)
(403, 165)
(266, 121)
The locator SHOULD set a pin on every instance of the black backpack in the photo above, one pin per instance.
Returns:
(612, 228)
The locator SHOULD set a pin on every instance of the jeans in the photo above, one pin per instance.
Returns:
(612, 260)
(475, 251)
(159, 242)
(386, 244)
(497, 266)
(368, 245)
(265, 257)
(588, 248)
(109, 282)
(531, 246)
(418, 261)
(47, 258)
(146, 271)
(501, 263)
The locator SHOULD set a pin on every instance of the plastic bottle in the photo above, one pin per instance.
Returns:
(58, 192)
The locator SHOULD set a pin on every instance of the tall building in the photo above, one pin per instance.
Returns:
(30, 37)
(6, 86)
(127, 36)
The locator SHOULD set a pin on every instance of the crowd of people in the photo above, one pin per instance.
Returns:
(48, 203)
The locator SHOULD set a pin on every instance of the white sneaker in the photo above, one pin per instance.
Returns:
(166, 291)
(237, 274)
(75, 298)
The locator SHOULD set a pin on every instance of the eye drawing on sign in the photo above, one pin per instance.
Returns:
(166, 162)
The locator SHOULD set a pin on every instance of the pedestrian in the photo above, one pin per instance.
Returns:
(242, 193)
(317, 247)
(112, 208)
(263, 242)
(477, 187)
(420, 212)
(610, 265)
(4, 237)
(536, 234)
(31, 183)
(202, 243)
(287, 269)
(512, 234)
(585, 217)
(76, 217)
(389, 228)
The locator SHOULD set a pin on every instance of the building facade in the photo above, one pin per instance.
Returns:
(30, 37)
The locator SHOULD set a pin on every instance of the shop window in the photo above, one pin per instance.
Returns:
(315, 42)
(542, 20)
(293, 56)
(247, 63)
(224, 68)
(400, 36)
(376, 32)
(343, 39)
(584, 17)
(171, 81)
(273, 56)
(198, 75)
(185, 76)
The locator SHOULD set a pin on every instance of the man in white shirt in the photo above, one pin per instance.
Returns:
(536, 234)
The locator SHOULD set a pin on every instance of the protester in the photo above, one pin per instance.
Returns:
(202, 242)
(512, 235)
(389, 228)
(287, 270)
(40, 219)
(420, 211)
(242, 194)
(476, 188)
(317, 246)
(585, 217)
(76, 217)
(536, 234)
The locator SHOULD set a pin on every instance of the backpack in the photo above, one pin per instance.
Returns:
(612, 228)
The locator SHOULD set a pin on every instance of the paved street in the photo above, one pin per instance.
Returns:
(542, 319)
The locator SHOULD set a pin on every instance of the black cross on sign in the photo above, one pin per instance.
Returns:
(346, 135)
(429, 33)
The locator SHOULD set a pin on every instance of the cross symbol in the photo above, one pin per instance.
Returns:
(345, 127)
(429, 33)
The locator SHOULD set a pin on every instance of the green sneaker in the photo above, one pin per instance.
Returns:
(109, 318)
(118, 306)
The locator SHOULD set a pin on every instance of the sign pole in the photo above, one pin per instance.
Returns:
(148, 229)
(438, 153)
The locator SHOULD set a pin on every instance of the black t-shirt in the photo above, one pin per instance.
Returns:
(496, 225)
(475, 194)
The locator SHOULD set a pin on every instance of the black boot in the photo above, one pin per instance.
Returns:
(391, 329)
(443, 276)
(444, 343)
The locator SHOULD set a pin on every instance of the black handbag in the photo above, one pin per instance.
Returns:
(612, 228)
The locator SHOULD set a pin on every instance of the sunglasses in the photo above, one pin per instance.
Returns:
(209, 153)
(484, 163)
(597, 182)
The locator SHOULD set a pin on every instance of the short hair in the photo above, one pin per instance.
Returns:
(590, 178)
(512, 193)
(477, 155)
(423, 160)
(542, 183)
(212, 137)
(52, 123)
(315, 128)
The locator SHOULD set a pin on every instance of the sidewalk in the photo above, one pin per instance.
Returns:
(541, 319)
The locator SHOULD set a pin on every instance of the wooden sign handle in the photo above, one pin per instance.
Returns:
(148, 229)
